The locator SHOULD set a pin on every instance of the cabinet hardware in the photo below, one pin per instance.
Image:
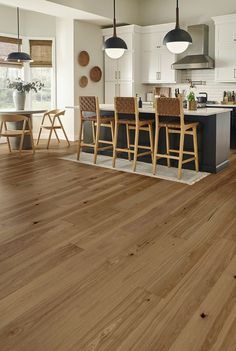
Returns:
(115, 74)
(158, 46)
(158, 75)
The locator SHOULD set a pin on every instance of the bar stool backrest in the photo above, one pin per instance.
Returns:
(169, 108)
(13, 118)
(89, 104)
(126, 106)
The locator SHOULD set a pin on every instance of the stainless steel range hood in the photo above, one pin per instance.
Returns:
(197, 53)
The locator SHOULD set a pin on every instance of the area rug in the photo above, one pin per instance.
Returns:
(189, 177)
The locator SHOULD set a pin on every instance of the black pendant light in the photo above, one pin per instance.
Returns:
(115, 46)
(177, 40)
(18, 56)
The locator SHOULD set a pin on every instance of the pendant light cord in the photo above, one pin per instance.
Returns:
(18, 27)
(177, 14)
(114, 18)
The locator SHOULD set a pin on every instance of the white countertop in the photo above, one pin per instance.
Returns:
(222, 105)
(147, 109)
(199, 112)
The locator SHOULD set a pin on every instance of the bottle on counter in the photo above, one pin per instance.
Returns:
(233, 96)
(140, 103)
(225, 98)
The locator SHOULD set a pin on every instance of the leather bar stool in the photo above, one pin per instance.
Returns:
(172, 110)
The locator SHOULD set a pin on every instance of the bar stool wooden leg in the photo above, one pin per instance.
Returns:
(115, 145)
(151, 140)
(155, 151)
(112, 131)
(195, 146)
(8, 139)
(80, 138)
(167, 145)
(128, 141)
(181, 149)
(135, 148)
(96, 143)
(93, 130)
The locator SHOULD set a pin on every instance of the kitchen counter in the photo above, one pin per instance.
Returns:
(199, 112)
(222, 105)
(213, 136)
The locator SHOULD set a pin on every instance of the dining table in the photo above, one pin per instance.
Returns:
(15, 142)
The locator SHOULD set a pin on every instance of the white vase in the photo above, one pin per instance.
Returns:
(19, 99)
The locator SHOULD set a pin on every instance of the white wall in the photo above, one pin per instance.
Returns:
(191, 12)
(87, 37)
(65, 71)
(31, 23)
(127, 10)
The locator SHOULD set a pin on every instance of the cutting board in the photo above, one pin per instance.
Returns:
(162, 91)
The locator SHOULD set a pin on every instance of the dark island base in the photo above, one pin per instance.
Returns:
(213, 142)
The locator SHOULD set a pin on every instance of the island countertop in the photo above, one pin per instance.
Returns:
(199, 112)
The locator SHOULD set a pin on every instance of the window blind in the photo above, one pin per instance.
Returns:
(41, 53)
(8, 45)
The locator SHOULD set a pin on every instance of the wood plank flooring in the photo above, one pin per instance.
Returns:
(97, 260)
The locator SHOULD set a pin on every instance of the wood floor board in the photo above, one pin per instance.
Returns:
(99, 260)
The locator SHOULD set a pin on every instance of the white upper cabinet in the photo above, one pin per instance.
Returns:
(156, 58)
(225, 48)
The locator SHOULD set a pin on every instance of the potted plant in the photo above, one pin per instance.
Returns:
(20, 88)
(192, 103)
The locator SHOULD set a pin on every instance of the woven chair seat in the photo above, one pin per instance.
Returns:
(133, 122)
(103, 119)
(176, 125)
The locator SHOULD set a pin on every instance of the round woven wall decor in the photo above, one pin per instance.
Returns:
(83, 58)
(95, 74)
(83, 81)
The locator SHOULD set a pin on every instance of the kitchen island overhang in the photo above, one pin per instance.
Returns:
(213, 136)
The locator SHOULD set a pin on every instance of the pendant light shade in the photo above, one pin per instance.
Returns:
(18, 56)
(115, 47)
(177, 40)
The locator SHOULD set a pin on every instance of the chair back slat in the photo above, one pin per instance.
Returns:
(169, 108)
(87, 104)
(55, 112)
(125, 105)
(13, 118)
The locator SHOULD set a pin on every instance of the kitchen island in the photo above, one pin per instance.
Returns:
(213, 136)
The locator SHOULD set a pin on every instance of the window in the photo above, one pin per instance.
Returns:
(41, 69)
(8, 70)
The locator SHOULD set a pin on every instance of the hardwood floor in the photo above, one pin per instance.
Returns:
(93, 259)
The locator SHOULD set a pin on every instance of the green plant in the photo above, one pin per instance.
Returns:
(191, 96)
(24, 87)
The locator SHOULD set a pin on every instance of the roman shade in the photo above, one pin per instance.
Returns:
(8, 45)
(41, 53)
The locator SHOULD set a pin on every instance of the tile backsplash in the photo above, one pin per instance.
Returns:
(213, 89)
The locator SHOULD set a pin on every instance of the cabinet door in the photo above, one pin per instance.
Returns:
(226, 63)
(111, 68)
(150, 67)
(125, 66)
(226, 33)
(168, 75)
(125, 89)
(111, 90)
